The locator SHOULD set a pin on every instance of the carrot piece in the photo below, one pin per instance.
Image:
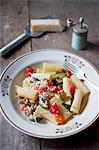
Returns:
(71, 88)
(59, 119)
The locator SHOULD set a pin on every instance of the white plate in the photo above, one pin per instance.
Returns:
(13, 74)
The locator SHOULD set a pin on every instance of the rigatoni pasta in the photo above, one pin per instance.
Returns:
(66, 87)
(26, 93)
(80, 85)
(51, 93)
(49, 67)
(76, 104)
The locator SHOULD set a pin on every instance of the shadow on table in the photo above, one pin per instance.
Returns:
(93, 46)
(87, 138)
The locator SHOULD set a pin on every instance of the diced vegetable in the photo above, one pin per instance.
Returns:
(55, 89)
(56, 83)
(67, 106)
(54, 109)
(39, 89)
(59, 118)
(63, 75)
(68, 73)
(68, 102)
(28, 71)
(43, 102)
(71, 88)
(23, 107)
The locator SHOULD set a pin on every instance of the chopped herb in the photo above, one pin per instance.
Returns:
(63, 75)
(67, 106)
(31, 81)
(34, 79)
(55, 83)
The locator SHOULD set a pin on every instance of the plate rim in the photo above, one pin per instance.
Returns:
(36, 135)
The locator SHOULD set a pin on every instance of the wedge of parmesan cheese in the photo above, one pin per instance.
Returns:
(51, 25)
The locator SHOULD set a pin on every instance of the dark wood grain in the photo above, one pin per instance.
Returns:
(13, 18)
(14, 15)
(89, 138)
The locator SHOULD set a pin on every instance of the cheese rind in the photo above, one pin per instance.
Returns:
(51, 25)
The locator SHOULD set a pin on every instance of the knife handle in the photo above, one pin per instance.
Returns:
(7, 48)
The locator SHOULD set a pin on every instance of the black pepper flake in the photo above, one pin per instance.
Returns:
(80, 124)
(56, 132)
(57, 129)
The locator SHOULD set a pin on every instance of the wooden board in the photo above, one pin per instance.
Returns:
(14, 15)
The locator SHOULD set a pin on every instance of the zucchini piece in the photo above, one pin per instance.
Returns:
(67, 106)
(62, 76)
(43, 102)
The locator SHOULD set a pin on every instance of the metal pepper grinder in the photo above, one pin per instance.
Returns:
(79, 35)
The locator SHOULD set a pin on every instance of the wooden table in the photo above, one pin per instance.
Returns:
(14, 15)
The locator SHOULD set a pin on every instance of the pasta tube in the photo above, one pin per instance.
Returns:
(63, 95)
(26, 92)
(66, 87)
(27, 83)
(40, 111)
(42, 76)
(76, 104)
(80, 85)
(48, 67)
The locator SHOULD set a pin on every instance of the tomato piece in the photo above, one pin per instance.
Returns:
(68, 73)
(39, 89)
(71, 88)
(23, 107)
(59, 119)
(55, 89)
(28, 71)
(54, 109)
(49, 84)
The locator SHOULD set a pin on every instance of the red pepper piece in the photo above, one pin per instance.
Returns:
(39, 89)
(28, 71)
(68, 73)
(49, 84)
(54, 109)
(23, 107)
(71, 88)
(55, 89)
